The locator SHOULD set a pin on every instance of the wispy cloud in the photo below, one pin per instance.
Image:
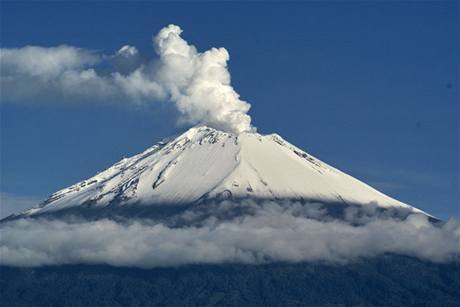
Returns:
(10, 203)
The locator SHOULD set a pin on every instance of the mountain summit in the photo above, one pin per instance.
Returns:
(207, 164)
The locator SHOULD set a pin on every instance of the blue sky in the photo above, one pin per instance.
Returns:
(372, 88)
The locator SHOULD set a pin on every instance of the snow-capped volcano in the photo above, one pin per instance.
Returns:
(204, 163)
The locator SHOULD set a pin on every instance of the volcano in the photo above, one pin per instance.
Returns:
(214, 218)
(204, 164)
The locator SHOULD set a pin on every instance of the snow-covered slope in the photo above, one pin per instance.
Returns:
(204, 163)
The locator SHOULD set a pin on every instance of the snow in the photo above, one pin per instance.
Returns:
(204, 162)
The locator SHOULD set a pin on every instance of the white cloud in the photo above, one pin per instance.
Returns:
(198, 84)
(68, 74)
(268, 232)
(127, 51)
(47, 63)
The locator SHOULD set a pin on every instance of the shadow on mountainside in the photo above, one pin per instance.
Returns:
(172, 215)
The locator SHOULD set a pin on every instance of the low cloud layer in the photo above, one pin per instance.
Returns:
(267, 232)
(197, 83)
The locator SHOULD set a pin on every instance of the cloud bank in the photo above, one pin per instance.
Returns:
(198, 84)
(266, 232)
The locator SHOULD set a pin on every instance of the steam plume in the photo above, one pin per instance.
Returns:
(198, 84)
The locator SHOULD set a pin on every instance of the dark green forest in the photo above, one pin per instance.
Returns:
(384, 281)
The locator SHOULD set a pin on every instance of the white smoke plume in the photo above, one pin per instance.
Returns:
(289, 232)
(198, 84)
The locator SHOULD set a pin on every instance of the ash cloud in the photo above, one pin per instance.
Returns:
(262, 233)
(197, 83)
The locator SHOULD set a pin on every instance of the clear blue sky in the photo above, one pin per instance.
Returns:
(369, 87)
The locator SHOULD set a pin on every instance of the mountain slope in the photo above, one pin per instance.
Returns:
(204, 163)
